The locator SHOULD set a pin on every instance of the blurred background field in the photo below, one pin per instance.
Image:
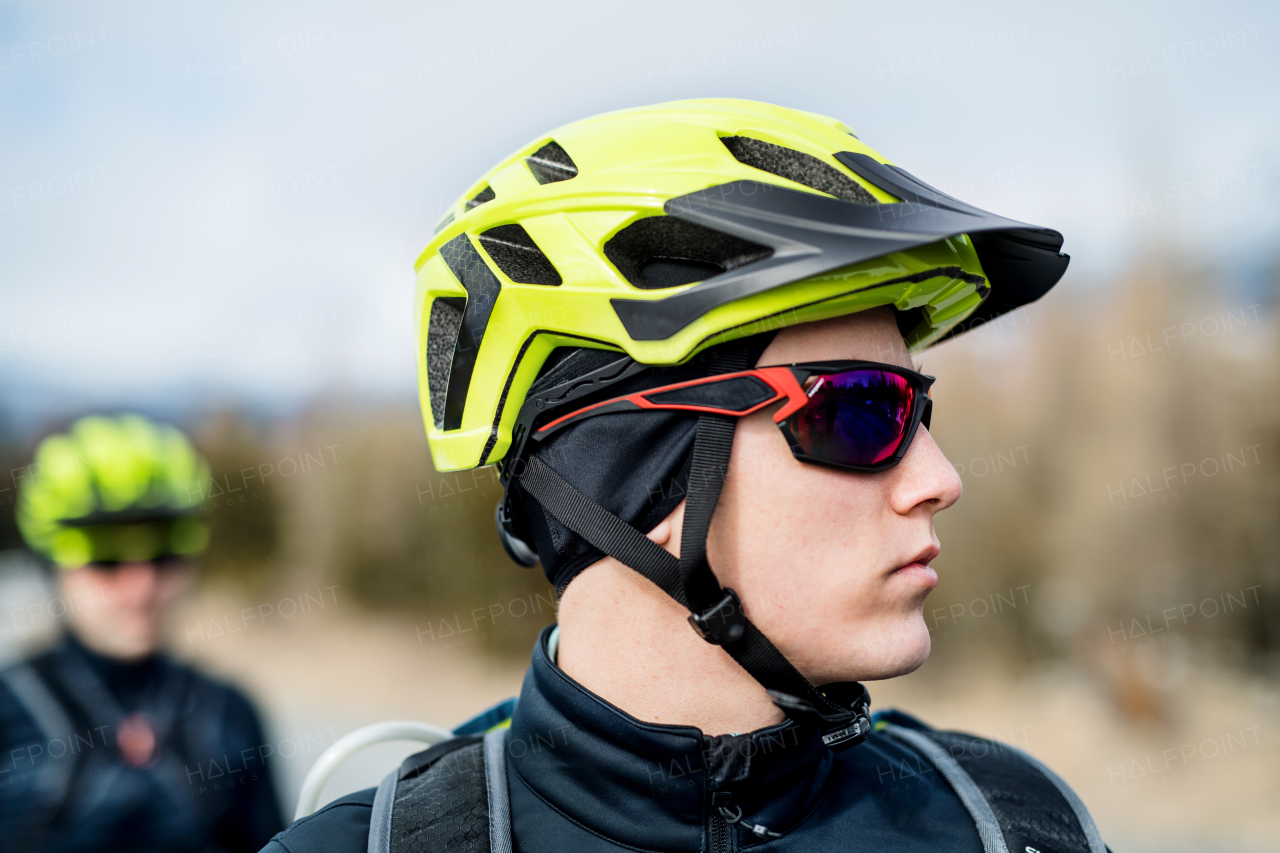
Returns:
(211, 216)
(1109, 595)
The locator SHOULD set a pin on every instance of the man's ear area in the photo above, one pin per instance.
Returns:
(667, 532)
(871, 335)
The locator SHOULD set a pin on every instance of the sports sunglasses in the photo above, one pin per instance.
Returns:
(853, 415)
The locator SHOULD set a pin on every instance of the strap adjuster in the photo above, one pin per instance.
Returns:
(846, 728)
(723, 622)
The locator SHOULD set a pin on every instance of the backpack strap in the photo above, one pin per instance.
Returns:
(380, 820)
(964, 786)
(53, 779)
(452, 798)
(495, 777)
(1017, 804)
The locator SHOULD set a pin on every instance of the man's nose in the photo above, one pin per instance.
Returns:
(137, 581)
(924, 477)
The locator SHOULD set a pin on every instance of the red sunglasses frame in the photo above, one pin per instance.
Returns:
(755, 390)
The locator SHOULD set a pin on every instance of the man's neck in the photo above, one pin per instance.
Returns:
(627, 641)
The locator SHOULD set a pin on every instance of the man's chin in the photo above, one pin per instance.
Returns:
(901, 658)
(124, 646)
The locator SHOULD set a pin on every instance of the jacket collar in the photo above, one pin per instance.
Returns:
(649, 785)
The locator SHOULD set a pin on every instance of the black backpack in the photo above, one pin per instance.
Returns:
(453, 797)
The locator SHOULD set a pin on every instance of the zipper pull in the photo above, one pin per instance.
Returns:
(722, 801)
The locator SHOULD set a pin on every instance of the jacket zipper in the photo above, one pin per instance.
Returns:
(719, 832)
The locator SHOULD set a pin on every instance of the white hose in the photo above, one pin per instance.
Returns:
(349, 745)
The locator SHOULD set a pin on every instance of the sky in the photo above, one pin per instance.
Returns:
(205, 205)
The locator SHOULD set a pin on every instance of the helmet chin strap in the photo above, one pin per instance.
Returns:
(840, 711)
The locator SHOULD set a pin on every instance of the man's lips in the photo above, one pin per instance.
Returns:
(923, 559)
(920, 563)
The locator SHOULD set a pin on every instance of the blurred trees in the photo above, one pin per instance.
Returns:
(1144, 508)
(346, 494)
(1120, 450)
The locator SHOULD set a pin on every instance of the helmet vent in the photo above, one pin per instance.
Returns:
(481, 197)
(442, 337)
(804, 169)
(665, 251)
(551, 163)
(515, 253)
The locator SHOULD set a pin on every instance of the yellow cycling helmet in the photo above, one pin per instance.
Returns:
(663, 230)
(114, 489)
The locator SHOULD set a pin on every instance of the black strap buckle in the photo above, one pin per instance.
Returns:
(517, 549)
(723, 622)
(851, 735)
(848, 727)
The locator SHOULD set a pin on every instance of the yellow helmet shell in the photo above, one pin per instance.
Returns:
(523, 263)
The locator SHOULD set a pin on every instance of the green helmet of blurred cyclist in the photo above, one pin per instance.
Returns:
(114, 489)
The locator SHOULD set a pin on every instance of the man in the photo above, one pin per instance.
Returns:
(109, 744)
(683, 332)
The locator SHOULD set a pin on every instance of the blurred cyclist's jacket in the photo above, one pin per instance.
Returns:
(96, 754)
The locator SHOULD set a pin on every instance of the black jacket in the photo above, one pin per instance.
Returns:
(585, 776)
(147, 756)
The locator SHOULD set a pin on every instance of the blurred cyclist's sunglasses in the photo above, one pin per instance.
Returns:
(853, 415)
(162, 563)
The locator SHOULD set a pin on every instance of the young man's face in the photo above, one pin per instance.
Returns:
(119, 611)
(833, 565)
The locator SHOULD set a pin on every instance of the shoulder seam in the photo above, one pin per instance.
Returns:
(335, 804)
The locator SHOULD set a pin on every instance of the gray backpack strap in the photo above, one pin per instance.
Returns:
(31, 691)
(961, 783)
(380, 820)
(495, 766)
(1030, 806)
(438, 801)
(1090, 828)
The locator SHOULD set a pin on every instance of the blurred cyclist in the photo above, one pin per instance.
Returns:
(106, 743)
